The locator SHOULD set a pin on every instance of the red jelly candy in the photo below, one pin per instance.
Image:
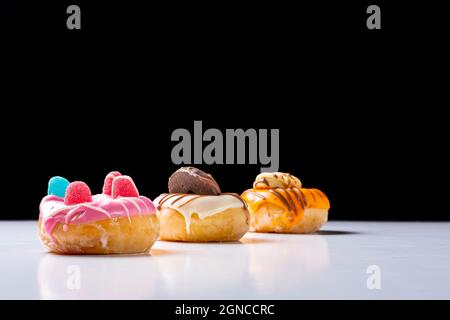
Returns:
(107, 185)
(77, 192)
(123, 186)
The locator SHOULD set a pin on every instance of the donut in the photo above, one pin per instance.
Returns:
(117, 221)
(196, 216)
(278, 203)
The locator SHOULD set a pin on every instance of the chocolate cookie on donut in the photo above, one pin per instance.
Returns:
(195, 209)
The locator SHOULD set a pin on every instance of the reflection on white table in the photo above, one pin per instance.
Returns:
(413, 259)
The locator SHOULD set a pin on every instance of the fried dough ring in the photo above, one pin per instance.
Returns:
(290, 210)
(228, 225)
(109, 236)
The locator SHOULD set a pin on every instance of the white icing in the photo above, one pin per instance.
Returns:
(126, 210)
(145, 205)
(203, 206)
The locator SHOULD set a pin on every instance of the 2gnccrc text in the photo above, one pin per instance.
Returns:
(231, 309)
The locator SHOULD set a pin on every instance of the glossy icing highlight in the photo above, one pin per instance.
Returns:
(52, 210)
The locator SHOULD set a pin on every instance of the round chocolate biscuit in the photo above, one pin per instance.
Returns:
(193, 180)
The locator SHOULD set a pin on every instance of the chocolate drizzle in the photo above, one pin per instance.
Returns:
(311, 191)
(275, 180)
(193, 182)
(256, 194)
(285, 188)
(320, 193)
(185, 195)
(244, 204)
(300, 197)
(178, 199)
(290, 197)
(167, 196)
(280, 196)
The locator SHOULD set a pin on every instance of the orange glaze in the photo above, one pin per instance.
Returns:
(292, 200)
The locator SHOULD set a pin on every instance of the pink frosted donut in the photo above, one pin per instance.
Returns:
(121, 222)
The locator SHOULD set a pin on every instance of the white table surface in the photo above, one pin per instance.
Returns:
(413, 259)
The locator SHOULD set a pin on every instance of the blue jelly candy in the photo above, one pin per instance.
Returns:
(57, 186)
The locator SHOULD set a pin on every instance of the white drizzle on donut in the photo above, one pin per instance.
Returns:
(203, 205)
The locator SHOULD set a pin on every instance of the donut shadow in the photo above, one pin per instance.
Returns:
(336, 232)
(200, 242)
(152, 253)
(317, 233)
(240, 241)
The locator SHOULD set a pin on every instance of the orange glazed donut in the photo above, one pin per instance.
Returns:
(278, 203)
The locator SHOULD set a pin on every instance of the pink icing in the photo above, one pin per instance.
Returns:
(52, 210)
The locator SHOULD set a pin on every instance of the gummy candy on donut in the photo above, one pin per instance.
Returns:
(116, 221)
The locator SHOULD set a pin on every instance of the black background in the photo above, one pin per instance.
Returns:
(283, 309)
(361, 112)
